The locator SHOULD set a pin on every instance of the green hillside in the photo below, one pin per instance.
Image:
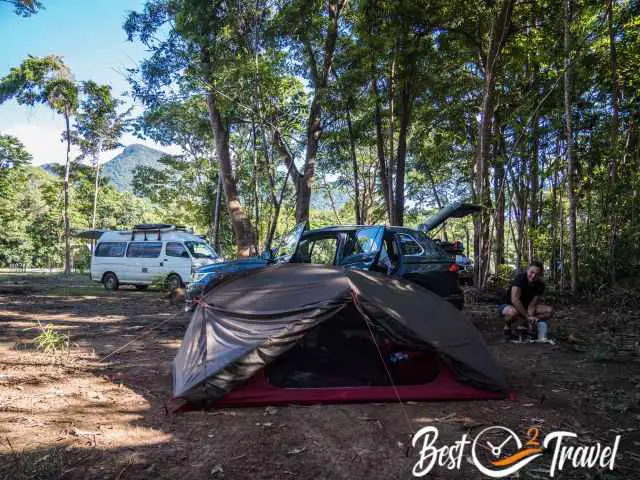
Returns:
(120, 169)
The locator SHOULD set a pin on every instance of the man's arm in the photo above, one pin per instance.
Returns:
(532, 307)
(515, 301)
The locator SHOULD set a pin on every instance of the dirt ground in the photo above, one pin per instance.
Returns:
(98, 409)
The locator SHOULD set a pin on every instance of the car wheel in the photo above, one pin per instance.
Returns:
(174, 282)
(110, 282)
(141, 287)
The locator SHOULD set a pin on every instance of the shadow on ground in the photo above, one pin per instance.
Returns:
(79, 417)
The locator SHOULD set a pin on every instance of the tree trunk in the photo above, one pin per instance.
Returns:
(535, 187)
(216, 215)
(382, 164)
(499, 28)
(256, 197)
(314, 128)
(615, 101)
(482, 178)
(276, 200)
(571, 167)
(67, 219)
(499, 193)
(553, 262)
(391, 159)
(405, 119)
(562, 247)
(277, 205)
(240, 223)
(354, 164)
(96, 187)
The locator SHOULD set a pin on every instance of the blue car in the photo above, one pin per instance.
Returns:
(394, 251)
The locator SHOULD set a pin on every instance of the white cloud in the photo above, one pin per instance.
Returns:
(43, 142)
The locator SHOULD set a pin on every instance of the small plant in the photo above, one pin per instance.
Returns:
(50, 341)
(160, 282)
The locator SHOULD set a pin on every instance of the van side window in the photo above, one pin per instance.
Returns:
(175, 249)
(144, 249)
(110, 249)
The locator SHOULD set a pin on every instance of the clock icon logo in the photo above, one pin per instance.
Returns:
(498, 452)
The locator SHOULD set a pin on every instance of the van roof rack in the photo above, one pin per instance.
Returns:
(153, 226)
(156, 228)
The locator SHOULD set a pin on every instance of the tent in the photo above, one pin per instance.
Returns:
(315, 334)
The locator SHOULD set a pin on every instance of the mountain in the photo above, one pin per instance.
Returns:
(120, 168)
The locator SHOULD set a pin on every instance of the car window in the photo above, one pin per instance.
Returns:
(175, 249)
(201, 250)
(144, 249)
(111, 249)
(323, 251)
(408, 245)
(289, 243)
(319, 251)
(431, 248)
(366, 240)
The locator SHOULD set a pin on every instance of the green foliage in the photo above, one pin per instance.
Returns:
(28, 82)
(25, 8)
(160, 282)
(98, 124)
(50, 341)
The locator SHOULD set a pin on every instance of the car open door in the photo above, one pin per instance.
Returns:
(289, 243)
(363, 249)
(455, 210)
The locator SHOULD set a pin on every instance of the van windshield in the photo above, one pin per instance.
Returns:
(201, 250)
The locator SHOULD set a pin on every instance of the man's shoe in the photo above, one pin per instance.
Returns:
(508, 334)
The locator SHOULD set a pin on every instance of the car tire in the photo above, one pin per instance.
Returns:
(174, 282)
(141, 287)
(110, 282)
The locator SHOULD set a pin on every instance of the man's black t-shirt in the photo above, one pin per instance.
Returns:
(527, 290)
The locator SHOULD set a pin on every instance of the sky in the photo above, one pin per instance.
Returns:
(88, 35)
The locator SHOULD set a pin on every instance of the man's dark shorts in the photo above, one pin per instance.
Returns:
(501, 308)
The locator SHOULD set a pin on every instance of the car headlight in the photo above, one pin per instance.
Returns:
(198, 277)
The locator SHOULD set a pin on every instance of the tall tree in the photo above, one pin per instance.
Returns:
(62, 97)
(490, 63)
(613, 163)
(571, 166)
(98, 127)
(202, 51)
(309, 33)
(47, 80)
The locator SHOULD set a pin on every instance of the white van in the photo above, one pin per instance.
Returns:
(149, 253)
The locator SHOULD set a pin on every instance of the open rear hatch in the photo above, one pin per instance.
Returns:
(454, 210)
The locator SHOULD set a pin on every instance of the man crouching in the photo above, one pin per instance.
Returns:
(521, 303)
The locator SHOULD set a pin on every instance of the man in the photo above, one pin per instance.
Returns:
(522, 300)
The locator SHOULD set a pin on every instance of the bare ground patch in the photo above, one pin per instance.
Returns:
(77, 416)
